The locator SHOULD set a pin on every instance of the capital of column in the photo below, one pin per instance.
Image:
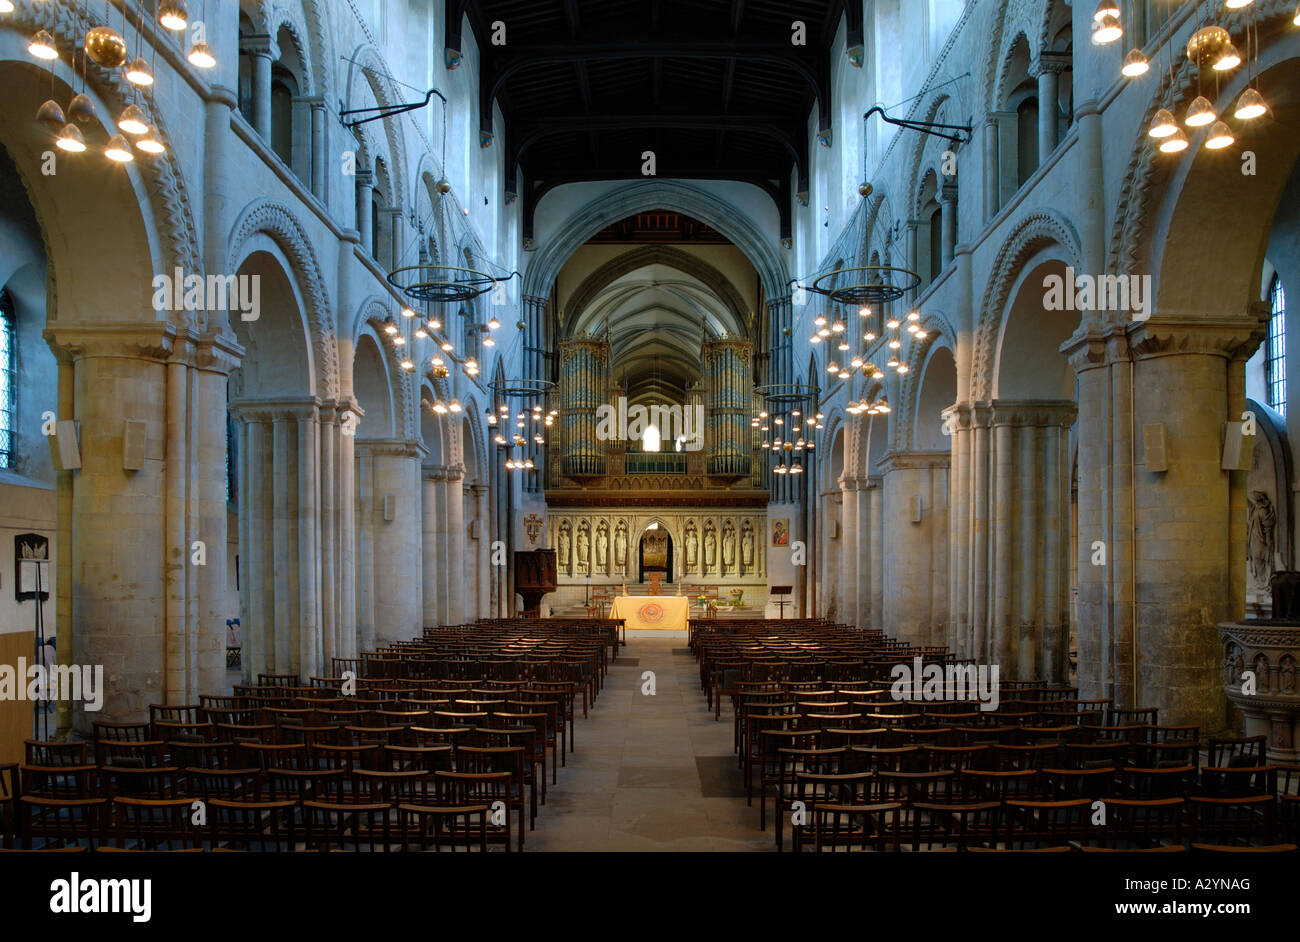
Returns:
(260, 44)
(218, 352)
(948, 193)
(479, 490)
(264, 410)
(1032, 413)
(449, 474)
(154, 340)
(914, 461)
(1054, 62)
(391, 448)
(364, 177)
(1227, 337)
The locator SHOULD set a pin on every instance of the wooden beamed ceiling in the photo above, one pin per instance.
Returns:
(716, 89)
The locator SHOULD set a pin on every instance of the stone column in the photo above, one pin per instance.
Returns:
(992, 189)
(948, 220)
(390, 574)
(876, 550)
(1189, 520)
(263, 52)
(366, 208)
(134, 597)
(866, 579)
(319, 157)
(482, 554)
(456, 544)
(1009, 573)
(435, 543)
(1048, 68)
(846, 598)
(916, 551)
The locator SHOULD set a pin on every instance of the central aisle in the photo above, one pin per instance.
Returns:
(651, 773)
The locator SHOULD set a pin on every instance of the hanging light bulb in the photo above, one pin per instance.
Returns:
(903, 368)
(1229, 58)
(6, 6)
(399, 340)
(864, 311)
(914, 316)
(856, 363)
(435, 324)
(42, 46)
(844, 345)
(1163, 124)
(81, 109)
(106, 47)
(494, 324)
(820, 321)
(895, 344)
(1200, 113)
(815, 338)
(1106, 30)
(1238, 4)
(133, 120)
(201, 56)
(446, 347)
(1220, 137)
(119, 150)
(869, 336)
(883, 405)
(893, 323)
(407, 364)
(151, 142)
(1135, 64)
(51, 115)
(837, 327)
(137, 73)
(407, 312)
(489, 342)
(173, 15)
(1104, 9)
(70, 139)
(440, 407)
(390, 326)
(832, 368)
(1250, 105)
(421, 333)
(1296, 19)
(455, 405)
(1174, 143)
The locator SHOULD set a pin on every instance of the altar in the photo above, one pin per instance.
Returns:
(657, 613)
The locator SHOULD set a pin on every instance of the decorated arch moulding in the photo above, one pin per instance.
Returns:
(172, 214)
(1147, 176)
(286, 17)
(995, 28)
(1031, 235)
(646, 195)
(275, 221)
(927, 156)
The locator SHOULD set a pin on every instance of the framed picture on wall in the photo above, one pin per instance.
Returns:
(31, 567)
(781, 532)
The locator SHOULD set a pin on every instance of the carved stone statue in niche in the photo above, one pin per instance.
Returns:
(728, 547)
(1260, 538)
(562, 545)
(710, 548)
(602, 547)
(620, 546)
(583, 544)
(692, 547)
(747, 546)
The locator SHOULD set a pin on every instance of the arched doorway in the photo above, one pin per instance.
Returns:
(655, 553)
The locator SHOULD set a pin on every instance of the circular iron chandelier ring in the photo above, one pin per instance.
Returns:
(441, 284)
(881, 290)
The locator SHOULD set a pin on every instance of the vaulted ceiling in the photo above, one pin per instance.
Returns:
(717, 89)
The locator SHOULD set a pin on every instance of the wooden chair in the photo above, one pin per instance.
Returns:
(153, 824)
(868, 827)
(262, 826)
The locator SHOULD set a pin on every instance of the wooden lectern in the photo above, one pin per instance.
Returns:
(782, 590)
(536, 575)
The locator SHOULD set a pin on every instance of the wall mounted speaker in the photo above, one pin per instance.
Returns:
(1238, 449)
(1154, 448)
(390, 507)
(133, 442)
(64, 450)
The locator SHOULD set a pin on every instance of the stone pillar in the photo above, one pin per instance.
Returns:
(482, 554)
(366, 208)
(296, 539)
(456, 544)
(866, 579)
(135, 596)
(948, 220)
(876, 549)
(1009, 572)
(916, 551)
(263, 52)
(851, 545)
(389, 574)
(992, 190)
(435, 543)
(319, 157)
(1048, 68)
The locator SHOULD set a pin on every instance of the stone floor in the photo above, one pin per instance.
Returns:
(651, 773)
